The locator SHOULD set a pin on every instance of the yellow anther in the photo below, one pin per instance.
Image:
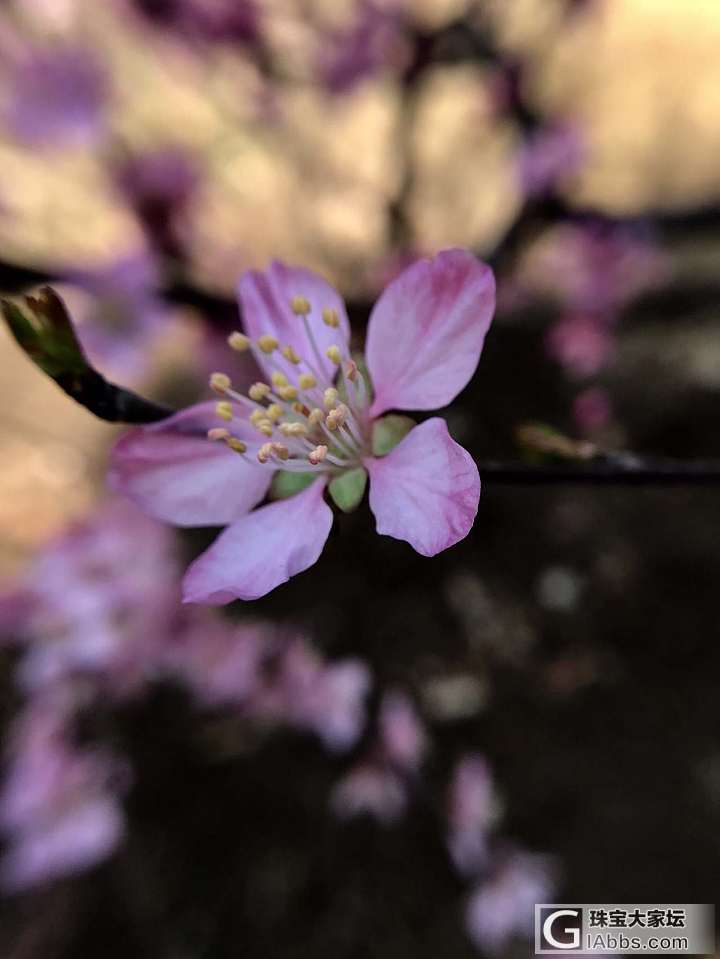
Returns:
(274, 412)
(235, 444)
(316, 416)
(258, 391)
(289, 353)
(265, 452)
(267, 343)
(300, 305)
(265, 427)
(331, 318)
(257, 416)
(279, 379)
(218, 433)
(220, 383)
(282, 452)
(330, 397)
(238, 341)
(224, 410)
(300, 409)
(334, 355)
(293, 429)
(317, 455)
(351, 370)
(336, 417)
(307, 381)
(287, 393)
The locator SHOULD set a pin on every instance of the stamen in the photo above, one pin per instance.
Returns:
(290, 354)
(235, 444)
(220, 383)
(257, 416)
(317, 455)
(334, 420)
(258, 391)
(279, 379)
(224, 410)
(300, 409)
(330, 397)
(238, 341)
(282, 452)
(218, 433)
(316, 417)
(331, 318)
(293, 429)
(265, 427)
(307, 381)
(274, 412)
(334, 355)
(267, 343)
(300, 305)
(265, 452)
(287, 393)
(351, 370)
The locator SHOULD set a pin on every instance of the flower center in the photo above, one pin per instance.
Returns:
(310, 421)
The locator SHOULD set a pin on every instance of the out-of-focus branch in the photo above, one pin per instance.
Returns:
(621, 469)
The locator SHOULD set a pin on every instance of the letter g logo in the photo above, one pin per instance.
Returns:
(571, 930)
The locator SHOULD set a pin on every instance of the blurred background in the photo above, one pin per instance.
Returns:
(406, 754)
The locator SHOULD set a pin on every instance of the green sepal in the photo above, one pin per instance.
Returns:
(389, 431)
(348, 489)
(44, 331)
(285, 484)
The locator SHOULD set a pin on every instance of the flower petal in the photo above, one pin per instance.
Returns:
(262, 550)
(265, 299)
(426, 332)
(426, 491)
(172, 471)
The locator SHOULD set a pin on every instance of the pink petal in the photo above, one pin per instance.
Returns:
(265, 299)
(426, 491)
(172, 471)
(262, 550)
(426, 332)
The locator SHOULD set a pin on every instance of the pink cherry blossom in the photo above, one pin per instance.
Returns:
(318, 415)
(581, 343)
(59, 808)
(502, 906)
(472, 813)
(402, 734)
(96, 603)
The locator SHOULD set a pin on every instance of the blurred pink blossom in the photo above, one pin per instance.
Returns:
(361, 50)
(472, 814)
(59, 806)
(592, 409)
(97, 602)
(402, 735)
(548, 156)
(372, 790)
(502, 906)
(580, 343)
(57, 96)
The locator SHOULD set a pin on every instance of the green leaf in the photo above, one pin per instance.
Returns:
(389, 431)
(348, 489)
(284, 483)
(44, 331)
